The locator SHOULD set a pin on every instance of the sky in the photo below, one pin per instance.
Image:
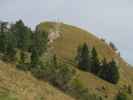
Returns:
(110, 19)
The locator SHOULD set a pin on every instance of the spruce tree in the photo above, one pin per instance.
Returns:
(3, 29)
(113, 75)
(22, 35)
(83, 57)
(95, 64)
(22, 38)
(34, 57)
(112, 45)
(40, 40)
(38, 47)
(109, 72)
(55, 64)
(3, 26)
(9, 45)
(103, 70)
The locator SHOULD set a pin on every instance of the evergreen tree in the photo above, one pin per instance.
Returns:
(3, 28)
(40, 40)
(103, 70)
(95, 64)
(83, 57)
(22, 38)
(34, 57)
(129, 89)
(38, 47)
(113, 75)
(109, 72)
(9, 45)
(112, 45)
(55, 61)
(22, 35)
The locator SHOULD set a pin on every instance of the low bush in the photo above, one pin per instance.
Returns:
(59, 74)
(77, 90)
(24, 67)
(122, 96)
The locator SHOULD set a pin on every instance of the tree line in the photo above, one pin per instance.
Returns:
(24, 47)
(32, 44)
(19, 44)
(18, 37)
(87, 59)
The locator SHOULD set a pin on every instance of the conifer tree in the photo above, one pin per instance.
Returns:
(3, 28)
(103, 70)
(9, 45)
(83, 57)
(113, 75)
(112, 45)
(95, 64)
(34, 57)
(109, 72)
(22, 35)
(40, 40)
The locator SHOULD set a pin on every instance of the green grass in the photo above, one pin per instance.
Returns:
(20, 85)
(7, 97)
(5, 94)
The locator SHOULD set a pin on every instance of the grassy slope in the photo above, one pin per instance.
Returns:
(23, 86)
(65, 48)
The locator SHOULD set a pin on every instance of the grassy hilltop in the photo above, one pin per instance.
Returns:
(41, 65)
(65, 48)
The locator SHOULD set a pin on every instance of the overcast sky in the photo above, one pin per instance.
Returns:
(111, 19)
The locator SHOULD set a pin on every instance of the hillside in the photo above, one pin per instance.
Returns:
(65, 48)
(19, 85)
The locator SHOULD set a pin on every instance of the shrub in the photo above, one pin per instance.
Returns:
(23, 66)
(63, 75)
(129, 89)
(38, 71)
(122, 96)
(77, 90)
(58, 73)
